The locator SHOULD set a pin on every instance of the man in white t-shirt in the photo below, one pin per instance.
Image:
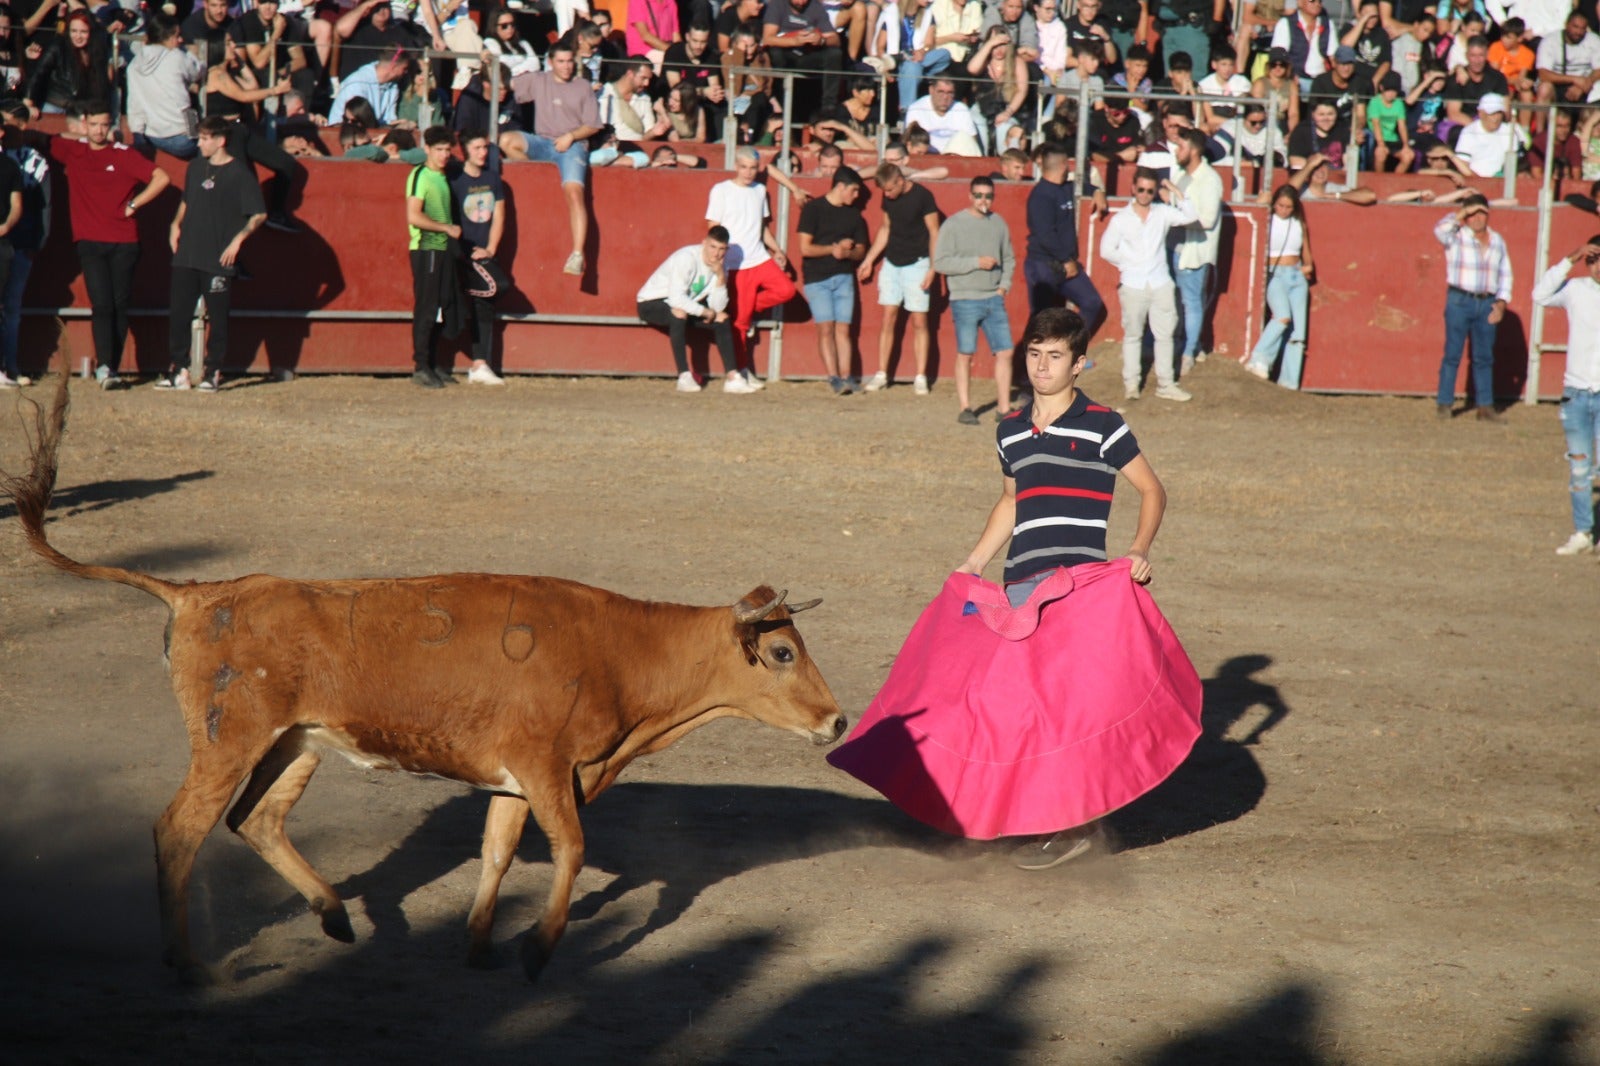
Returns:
(1568, 64)
(755, 260)
(1489, 143)
(946, 120)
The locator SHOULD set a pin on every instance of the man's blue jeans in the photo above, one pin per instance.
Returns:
(1465, 317)
(11, 308)
(1580, 420)
(1194, 299)
(181, 147)
(908, 76)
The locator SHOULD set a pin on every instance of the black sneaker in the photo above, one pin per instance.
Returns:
(426, 379)
(967, 417)
(445, 376)
(284, 224)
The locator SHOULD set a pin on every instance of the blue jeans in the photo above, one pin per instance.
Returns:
(1467, 317)
(573, 163)
(989, 313)
(1288, 298)
(181, 146)
(832, 299)
(1046, 288)
(11, 308)
(908, 76)
(1194, 300)
(1580, 420)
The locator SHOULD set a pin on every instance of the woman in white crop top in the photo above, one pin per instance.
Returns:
(1289, 270)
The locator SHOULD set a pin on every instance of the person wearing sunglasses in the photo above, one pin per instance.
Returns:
(505, 40)
(974, 253)
(1135, 242)
(1277, 81)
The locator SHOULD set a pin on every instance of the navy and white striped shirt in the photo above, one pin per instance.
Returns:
(1065, 476)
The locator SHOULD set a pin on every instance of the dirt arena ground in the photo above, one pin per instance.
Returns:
(1383, 850)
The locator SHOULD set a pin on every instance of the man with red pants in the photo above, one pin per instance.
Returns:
(755, 258)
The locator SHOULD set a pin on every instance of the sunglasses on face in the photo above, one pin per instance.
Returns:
(983, 196)
(505, 26)
(1144, 190)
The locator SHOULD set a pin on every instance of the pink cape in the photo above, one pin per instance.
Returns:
(999, 721)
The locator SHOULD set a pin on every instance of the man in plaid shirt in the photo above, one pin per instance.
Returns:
(1478, 271)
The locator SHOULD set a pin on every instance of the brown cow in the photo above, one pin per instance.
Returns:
(536, 689)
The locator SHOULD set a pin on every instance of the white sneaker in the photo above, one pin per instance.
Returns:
(920, 385)
(1175, 393)
(1185, 365)
(7, 382)
(880, 380)
(738, 384)
(482, 375)
(1130, 392)
(1580, 543)
(1258, 370)
(687, 383)
(1201, 357)
(178, 382)
(755, 383)
(574, 265)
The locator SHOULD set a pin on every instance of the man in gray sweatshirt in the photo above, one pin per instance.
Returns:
(159, 105)
(974, 253)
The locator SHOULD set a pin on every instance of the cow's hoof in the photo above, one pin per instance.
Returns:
(335, 921)
(533, 957)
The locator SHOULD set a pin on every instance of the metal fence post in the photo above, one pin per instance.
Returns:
(775, 354)
(197, 342)
(1541, 253)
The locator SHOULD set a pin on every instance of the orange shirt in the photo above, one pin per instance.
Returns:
(1515, 65)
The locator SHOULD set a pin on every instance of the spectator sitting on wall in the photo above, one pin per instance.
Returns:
(379, 84)
(300, 138)
(946, 122)
(690, 290)
(160, 79)
(566, 115)
(668, 158)
(1569, 63)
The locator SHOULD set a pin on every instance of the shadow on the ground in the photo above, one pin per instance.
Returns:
(1221, 780)
(98, 495)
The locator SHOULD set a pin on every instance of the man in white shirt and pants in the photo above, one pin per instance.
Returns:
(1135, 243)
(1198, 243)
(1580, 387)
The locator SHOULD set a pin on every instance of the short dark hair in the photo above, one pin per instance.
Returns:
(1058, 324)
(1180, 61)
(719, 233)
(886, 173)
(403, 140)
(1053, 150)
(211, 125)
(1194, 139)
(466, 137)
(1137, 51)
(434, 136)
(1477, 199)
(1082, 47)
(1477, 40)
(85, 108)
(830, 150)
(846, 176)
(981, 181)
(158, 29)
(1516, 25)
(1146, 174)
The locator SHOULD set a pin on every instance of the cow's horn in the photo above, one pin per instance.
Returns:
(750, 615)
(796, 608)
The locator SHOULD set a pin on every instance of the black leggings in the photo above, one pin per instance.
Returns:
(108, 275)
(247, 143)
(657, 313)
(188, 286)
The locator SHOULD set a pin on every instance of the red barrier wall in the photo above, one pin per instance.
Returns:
(1376, 319)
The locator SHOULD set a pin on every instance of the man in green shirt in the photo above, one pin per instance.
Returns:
(433, 273)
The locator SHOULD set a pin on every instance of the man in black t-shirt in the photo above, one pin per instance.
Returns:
(1317, 135)
(1345, 88)
(208, 22)
(221, 206)
(1114, 133)
(691, 60)
(799, 36)
(1472, 83)
(833, 239)
(731, 18)
(369, 33)
(479, 197)
(905, 241)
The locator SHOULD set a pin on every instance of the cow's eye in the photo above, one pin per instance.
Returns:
(783, 653)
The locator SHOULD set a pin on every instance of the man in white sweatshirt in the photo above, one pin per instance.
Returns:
(1580, 387)
(691, 289)
(159, 106)
(1135, 242)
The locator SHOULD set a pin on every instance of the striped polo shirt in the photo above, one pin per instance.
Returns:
(1065, 476)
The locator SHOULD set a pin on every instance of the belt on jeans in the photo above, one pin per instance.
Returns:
(1474, 295)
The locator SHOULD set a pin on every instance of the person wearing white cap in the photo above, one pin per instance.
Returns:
(1489, 144)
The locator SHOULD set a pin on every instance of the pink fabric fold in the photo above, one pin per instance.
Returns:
(999, 721)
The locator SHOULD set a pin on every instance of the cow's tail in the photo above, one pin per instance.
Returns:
(30, 492)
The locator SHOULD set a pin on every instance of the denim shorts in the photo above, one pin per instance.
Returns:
(990, 313)
(901, 286)
(573, 163)
(833, 299)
